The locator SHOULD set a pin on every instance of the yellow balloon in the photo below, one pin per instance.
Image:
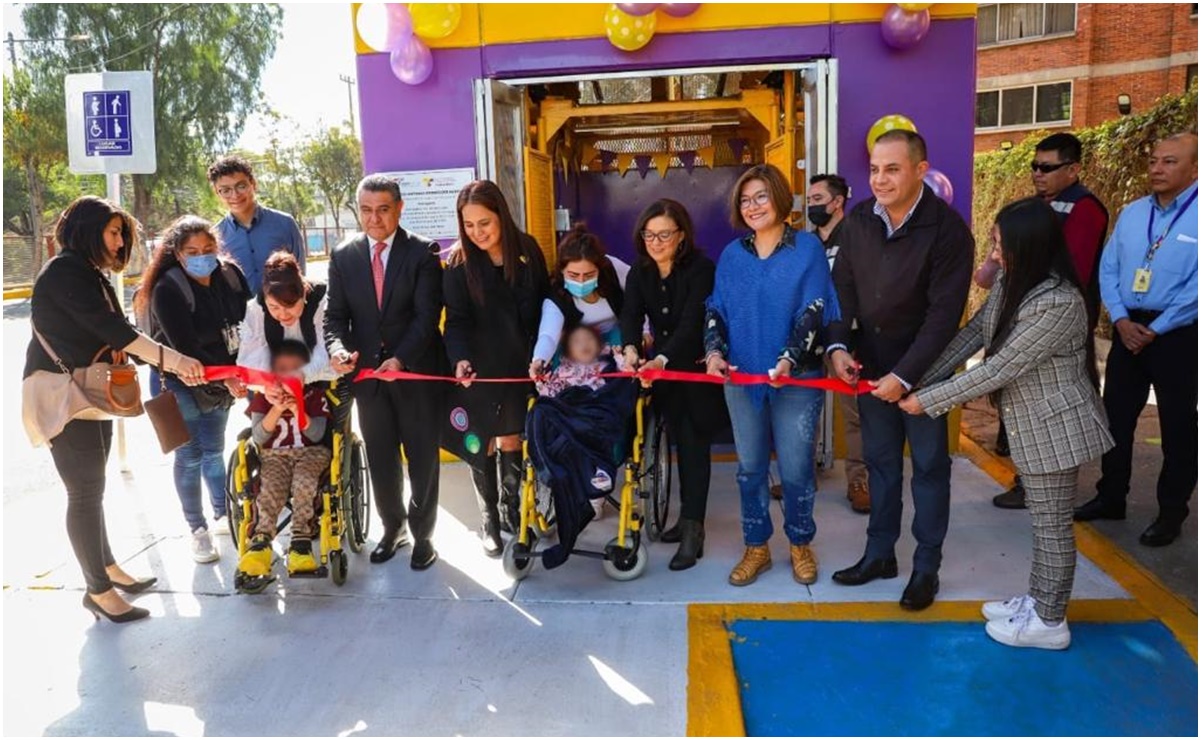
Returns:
(629, 32)
(886, 124)
(435, 20)
(914, 7)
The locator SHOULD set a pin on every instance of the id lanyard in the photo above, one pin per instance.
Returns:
(1154, 245)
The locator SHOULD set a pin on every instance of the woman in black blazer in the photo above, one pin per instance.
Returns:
(493, 286)
(668, 286)
(77, 314)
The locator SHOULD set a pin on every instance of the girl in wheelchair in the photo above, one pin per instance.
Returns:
(293, 461)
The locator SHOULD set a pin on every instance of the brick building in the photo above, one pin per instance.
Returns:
(1072, 65)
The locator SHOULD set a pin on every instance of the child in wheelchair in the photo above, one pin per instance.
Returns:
(293, 461)
(580, 366)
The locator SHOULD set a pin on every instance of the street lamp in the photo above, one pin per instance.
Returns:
(12, 43)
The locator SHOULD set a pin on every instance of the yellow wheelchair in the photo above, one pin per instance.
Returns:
(343, 502)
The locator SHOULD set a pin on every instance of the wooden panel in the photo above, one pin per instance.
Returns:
(540, 201)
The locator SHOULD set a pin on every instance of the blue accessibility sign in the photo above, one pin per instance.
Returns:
(107, 132)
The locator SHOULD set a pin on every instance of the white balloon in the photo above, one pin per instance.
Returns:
(372, 24)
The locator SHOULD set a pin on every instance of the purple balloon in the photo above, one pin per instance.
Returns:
(400, 25)
(638, 8)
(940, 184)
(679, 10)
(902, 29)
(412, 63)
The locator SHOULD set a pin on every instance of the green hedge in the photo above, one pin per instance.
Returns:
(1115, 165)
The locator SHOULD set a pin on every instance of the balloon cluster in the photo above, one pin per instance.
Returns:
(401, 30)
(631, 26)
(936, 179)
(905, 24)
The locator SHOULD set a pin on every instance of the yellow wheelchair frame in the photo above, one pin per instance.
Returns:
(625, 557)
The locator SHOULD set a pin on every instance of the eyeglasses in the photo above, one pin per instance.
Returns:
(761, 198)
(240, 188)
(1047, 169)
(659, 236)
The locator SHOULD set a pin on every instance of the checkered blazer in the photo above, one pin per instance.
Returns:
(1052, 412)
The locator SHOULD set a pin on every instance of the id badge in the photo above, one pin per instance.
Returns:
(1142, 280)
(232, 339)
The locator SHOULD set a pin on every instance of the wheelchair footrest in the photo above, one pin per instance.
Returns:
(252, 584)
(322, 572)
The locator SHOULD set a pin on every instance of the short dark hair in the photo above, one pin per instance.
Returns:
(777, 188)
(1065, 145)
(81, 229)
(677, 213)
(291, 348)
(378, 184)
(917, 145)
(836, 184)
(230, 165)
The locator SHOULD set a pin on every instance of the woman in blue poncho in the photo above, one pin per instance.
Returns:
(771, 299)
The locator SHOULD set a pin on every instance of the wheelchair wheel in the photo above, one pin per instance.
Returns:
(623, 563)
(358, 502)
(656, 481)
(338, 567)
(233, 508)
(517, 559)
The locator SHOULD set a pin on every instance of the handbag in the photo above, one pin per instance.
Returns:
(165, 415)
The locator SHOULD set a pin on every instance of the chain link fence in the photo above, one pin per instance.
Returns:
(19, 265)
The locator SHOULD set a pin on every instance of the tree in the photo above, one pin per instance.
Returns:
(206, 61)
(34, 141)
(334, 162)
(282, 178)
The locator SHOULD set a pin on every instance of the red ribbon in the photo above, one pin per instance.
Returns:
(261, 379)
(736, 377)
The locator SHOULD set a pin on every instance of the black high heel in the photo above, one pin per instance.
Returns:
(134, 614)
(137, 587)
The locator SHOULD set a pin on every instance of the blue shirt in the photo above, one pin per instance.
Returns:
(1173, 289)
(270, 230)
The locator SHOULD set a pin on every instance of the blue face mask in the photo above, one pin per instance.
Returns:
(200, 265)
(580, 290)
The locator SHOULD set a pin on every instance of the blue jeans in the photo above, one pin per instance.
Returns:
(789, 417)
(203, 457)
(885, 429)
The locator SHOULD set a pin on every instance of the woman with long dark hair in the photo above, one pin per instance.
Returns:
(194, 298)
(1039, 370)
(75, 312)
(493, 287)
(668, 287)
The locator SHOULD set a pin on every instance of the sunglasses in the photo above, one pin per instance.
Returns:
(1047, 169)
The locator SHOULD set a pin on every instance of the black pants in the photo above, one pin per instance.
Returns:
(692, 462)
(393, 415)
(80, 454)
(1169, 364)
(885, 429)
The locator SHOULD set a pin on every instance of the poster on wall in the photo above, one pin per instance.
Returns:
(429, 200)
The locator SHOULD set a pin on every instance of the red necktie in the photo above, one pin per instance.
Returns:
(377, 273)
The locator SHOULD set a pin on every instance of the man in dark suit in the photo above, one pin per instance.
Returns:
(385, 301)
(902, 276)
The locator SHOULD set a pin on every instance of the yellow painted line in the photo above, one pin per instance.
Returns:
(22, 291)
(1159, 600)
(714, 708)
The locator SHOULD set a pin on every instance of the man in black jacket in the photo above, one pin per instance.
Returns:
(385, 301)
(902, 274)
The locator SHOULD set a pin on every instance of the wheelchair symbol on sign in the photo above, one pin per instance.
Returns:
(95, 129)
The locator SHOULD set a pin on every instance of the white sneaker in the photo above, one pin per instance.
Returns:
(202, 547)
(221, 526)
(1006, 609)
(1027, 629)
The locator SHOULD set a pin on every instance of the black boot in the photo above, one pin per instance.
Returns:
(692, 545)
(486, 496)
(511, 469)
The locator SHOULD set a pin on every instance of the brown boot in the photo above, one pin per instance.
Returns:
(755, 560)
(804, 564)
(859, 496)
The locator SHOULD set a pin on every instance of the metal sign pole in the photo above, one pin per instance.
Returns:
(114, 194)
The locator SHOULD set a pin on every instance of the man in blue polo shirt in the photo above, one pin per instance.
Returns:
(251, 232)
(1149, 285)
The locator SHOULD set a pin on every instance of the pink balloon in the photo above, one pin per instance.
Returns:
(940, 184)
(400, 25)
(902, 29)
(638, 8)
(412, 63)
(679, 10)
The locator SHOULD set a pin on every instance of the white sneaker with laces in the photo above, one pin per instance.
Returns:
(202, 546)
(1006, 609)
(1027, 629)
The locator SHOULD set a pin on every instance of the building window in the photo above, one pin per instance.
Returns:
(1190, 77)
(1001, 23)
(1017, 107)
